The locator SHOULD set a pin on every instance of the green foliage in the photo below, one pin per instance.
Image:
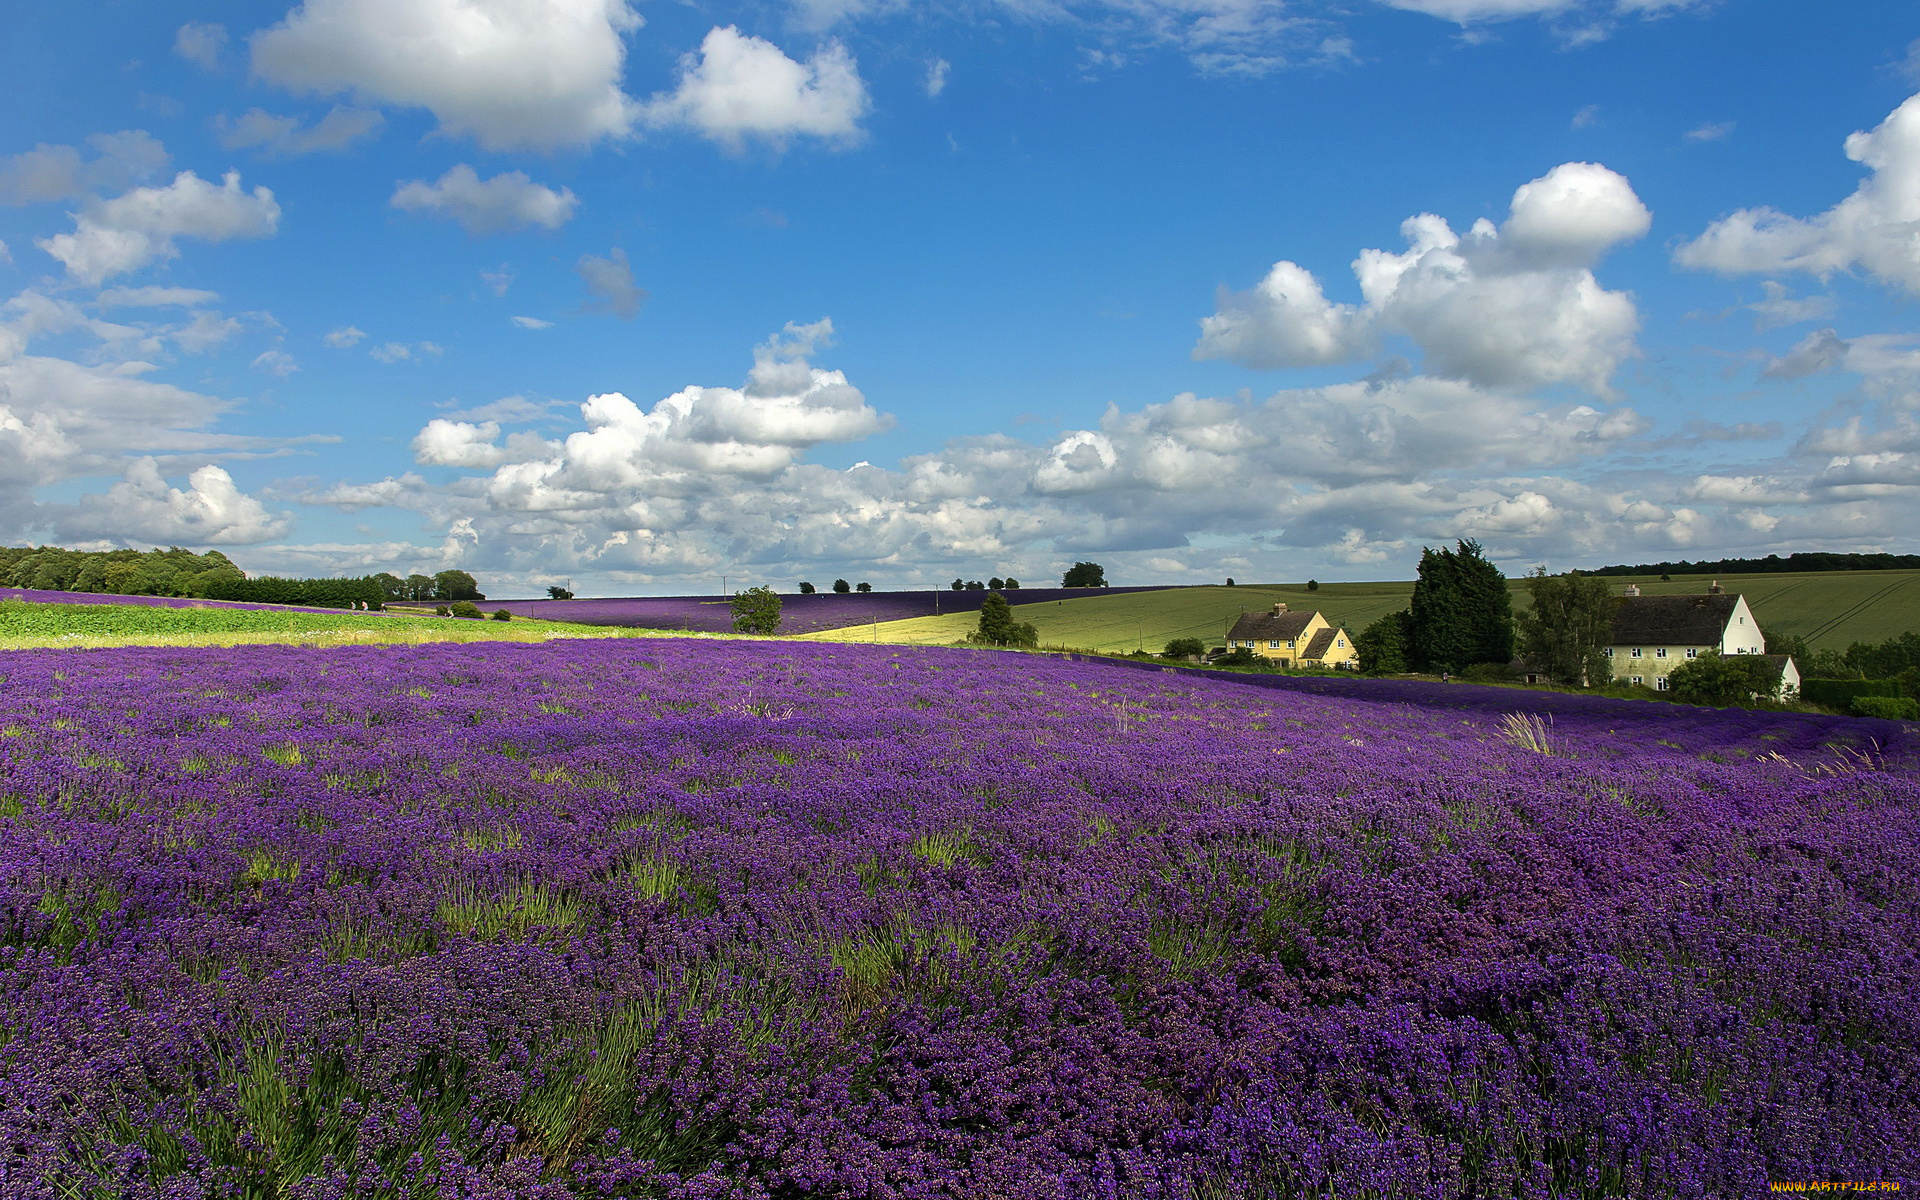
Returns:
(757, 610)
(1839, 694)
(1716, 678)
(841, 587)
(998, 628)
(1013, 585)
(556, 592)
(1566, 629)
(1383, 646)
(1185, 648)
(1462, 611)
(863, 587)
(1313, 585)
(1084, 574)
(465, 609)
(806, 589)
(501, 614)
(1892, 708)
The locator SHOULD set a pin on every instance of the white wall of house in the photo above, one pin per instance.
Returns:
(1650, 663)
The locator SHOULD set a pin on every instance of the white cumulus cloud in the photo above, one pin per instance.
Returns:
(287, 136)
(345, 336)
(740, 87)
(201, 42)
(508, 201)
(1512, 306)
(1873, 230)
(512, 74)
(49, 173)
(211, 510)
(609, 281)
(123, 234)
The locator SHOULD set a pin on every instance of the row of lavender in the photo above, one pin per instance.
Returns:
(738, 920)
(798, 613)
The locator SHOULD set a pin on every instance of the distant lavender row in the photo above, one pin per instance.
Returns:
(799, 613)
(40, 597)
(745, 920)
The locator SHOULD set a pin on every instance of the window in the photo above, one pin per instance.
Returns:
(1635, 652)
(1635, 679)
(1660, 683)
(1340, 642)
(1693, 652)
(1660, 653)
(1276, 645)
(1609, 651)
(1289, 643)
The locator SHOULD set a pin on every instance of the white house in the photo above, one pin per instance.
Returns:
(1652, 635)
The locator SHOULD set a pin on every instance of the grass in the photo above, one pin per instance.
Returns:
(1828, 608)
(25, 625)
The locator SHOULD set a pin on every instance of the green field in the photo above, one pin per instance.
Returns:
(28, 625)
(1829, 608)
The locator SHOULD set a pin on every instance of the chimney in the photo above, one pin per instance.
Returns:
(1278, 609)
(1633, 589)
(1714, 588)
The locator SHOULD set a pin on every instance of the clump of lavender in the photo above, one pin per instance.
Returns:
(699, 919)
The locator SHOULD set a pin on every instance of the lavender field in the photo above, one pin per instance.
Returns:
(798, 613)
(35, 596)
(732, 919)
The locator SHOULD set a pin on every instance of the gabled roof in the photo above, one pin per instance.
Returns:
(1318, 647)
(1673, 620)
(1266, 627)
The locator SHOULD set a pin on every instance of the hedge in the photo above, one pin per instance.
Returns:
(1893, 708)
(1838, 694)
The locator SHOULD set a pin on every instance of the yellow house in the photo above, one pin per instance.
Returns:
(1304, 639)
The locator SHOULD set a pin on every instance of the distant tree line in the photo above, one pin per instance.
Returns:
(213, 576)
(1815, 561)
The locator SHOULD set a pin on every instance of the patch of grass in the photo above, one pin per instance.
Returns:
(517, 915)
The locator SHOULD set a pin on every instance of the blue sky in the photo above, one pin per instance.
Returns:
(635, 294)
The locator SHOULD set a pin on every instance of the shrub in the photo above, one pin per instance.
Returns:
(466, 609)
(501, 614)
(1839, 694)
(1716, 678)
(998, 628)
(757, 610)
(1893, 708)
(440, 610)
(1185, 648)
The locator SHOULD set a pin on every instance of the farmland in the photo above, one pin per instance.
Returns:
(1829, 608)
(800, 614)
(26, 624)
(742, 919)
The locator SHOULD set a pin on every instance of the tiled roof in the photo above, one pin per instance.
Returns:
(1265, 627)
(1671, 620)
(1318, 647)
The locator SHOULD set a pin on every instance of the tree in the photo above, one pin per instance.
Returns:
(1313, 585)
(1084, 574)
(1461, 611)
(974, 585)
(863, 587)
(556, 592)
(1185, 648)
(996, 583)
(1716, 678)
(1566, 631)
(959, 585)
(1229, 581)
(806, 589)
(419, 587)
(456, 585)
(757, 610)
(392, 587)
(1013, 585)
(841, 587)
(1382, 646)
(998, 628)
